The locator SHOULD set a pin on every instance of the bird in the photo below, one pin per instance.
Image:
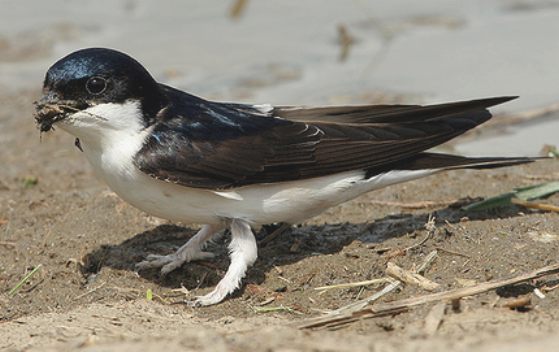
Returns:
(238, 166)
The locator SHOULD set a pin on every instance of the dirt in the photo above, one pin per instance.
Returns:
(87, 296)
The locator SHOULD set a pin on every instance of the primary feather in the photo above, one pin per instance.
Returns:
(223, 145)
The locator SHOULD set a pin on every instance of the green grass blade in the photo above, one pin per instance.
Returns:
(539, 191)
(22, 282)
(524, 193)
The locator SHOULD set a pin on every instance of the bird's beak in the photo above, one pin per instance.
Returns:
(48, 111)
(49, 97)
(51, 109)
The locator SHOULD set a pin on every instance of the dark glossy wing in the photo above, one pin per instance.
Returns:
(382, 113)
(212, 145)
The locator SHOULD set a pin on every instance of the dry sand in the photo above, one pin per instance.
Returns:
(87, 296)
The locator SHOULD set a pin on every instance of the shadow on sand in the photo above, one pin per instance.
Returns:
(311, 241)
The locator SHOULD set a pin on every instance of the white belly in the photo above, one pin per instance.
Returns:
(290, 202)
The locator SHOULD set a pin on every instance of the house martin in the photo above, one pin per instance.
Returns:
(238, 166)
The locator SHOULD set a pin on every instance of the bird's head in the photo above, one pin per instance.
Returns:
(92, 91)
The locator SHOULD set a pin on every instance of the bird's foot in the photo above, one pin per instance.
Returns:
(170, 262)
(224, 288)
(243, 252)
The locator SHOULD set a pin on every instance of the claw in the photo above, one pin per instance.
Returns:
(158, 261)
(167, 268)
(154, 257)
(193, 303)
(202, 256)
(192, 250)
(243, 252)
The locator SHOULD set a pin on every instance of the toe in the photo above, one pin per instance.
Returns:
(155, 261)
(146, 264)
(167, 268)
(202, 256)
(214, 297)
(155, 257)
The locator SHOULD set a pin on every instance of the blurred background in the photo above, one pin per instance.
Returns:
(317, 52)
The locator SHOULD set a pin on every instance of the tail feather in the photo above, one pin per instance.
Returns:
(443, 162)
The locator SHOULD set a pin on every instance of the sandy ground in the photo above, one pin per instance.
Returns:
(86, 295)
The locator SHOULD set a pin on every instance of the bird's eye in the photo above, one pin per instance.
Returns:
(96, 85)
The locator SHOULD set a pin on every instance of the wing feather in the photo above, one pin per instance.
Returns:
(203, 144)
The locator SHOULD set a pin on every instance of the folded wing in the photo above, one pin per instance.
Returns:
(202, 144)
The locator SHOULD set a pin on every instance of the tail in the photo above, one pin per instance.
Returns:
(442, 162)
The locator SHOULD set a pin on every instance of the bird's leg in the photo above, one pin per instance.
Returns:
(243, 253)
(191, 250)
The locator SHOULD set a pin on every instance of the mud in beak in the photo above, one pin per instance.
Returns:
(50, 109)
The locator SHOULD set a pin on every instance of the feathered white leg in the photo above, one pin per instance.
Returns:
(243, 253)
(191, 250)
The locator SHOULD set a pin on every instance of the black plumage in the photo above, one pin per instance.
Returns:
(203, 144)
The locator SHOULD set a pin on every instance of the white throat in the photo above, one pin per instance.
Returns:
(102, 125)
(110, 135)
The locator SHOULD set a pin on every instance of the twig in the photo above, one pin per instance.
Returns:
(280, 230)
(357, 316)
(24, 280)
(410, 277)
(530, 114)
(416, 205)
(182, 290)
(404, 304)
(521, 302)
(534, 205)
(160, 298)
(382, 280)
(358, 305)
(470, 291)
(89, 292)
(280, 308)
(397, 252)
(548, 289)
(429, 259)
(7, 244)
(201, 282)
(420, 243)
(237, 9)
(502, 120)
(551, 177)
(434, 319)
(345, 40)
(266, 301)
(285, 279)
(452, 252)
(349, 309)
(430, 226)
